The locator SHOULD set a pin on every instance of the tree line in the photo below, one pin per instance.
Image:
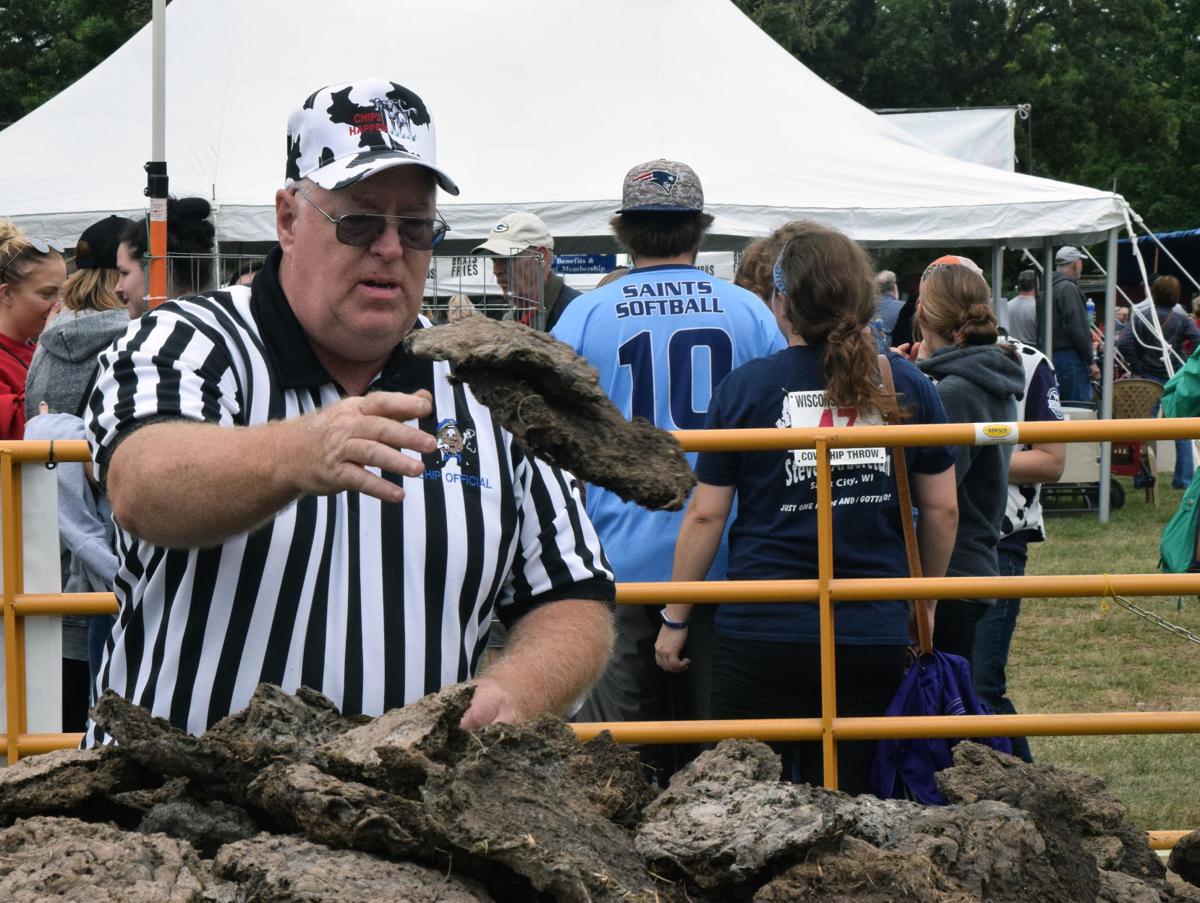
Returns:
(1114, 85)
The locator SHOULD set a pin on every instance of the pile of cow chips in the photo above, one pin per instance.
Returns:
(288, 801)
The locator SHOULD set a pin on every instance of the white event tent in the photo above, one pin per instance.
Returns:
(539, 104)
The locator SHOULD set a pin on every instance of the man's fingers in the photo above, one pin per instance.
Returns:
(397, 435)
(366, 453)
(359, 480)
(373, 431)
(398, 405)
(672, 664)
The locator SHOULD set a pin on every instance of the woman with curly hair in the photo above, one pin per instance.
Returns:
(767, 658)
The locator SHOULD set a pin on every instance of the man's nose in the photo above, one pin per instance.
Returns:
(388, 244)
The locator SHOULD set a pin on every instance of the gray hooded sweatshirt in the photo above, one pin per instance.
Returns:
(85, 528)
(978, 384)
(65, 361)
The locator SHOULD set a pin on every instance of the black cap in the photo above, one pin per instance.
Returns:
(97, 246)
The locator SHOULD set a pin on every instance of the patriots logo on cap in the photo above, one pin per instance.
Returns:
(660, 177)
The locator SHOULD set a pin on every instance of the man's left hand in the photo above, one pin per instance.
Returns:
(492, 702)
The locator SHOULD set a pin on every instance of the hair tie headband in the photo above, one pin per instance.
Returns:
(777, 275)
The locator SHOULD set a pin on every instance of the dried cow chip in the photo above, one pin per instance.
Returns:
(550, 399)
(288, 868)
(62, 858)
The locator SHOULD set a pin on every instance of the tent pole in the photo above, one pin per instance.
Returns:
(1106, 375)
(998, 305)
(156, 169)
(1048, 299)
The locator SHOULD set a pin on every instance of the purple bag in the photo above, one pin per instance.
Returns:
(935, 684)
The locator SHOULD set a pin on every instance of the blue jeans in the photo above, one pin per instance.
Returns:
(993, 637)
(1074, 378)
(1182, 477)
(1184, 467)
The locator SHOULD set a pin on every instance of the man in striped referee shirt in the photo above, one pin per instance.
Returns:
(301, 502)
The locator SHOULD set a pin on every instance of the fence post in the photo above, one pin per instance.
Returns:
(1106, 376)
(825, 607)
(14, 673)
(1048, 299)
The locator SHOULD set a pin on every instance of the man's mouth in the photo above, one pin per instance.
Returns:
(384, 284)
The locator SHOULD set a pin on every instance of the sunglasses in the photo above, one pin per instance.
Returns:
(362, 229)
(41, 245)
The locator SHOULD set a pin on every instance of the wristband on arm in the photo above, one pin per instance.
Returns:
(674, 625)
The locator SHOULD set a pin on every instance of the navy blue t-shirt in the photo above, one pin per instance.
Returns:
(774, 535)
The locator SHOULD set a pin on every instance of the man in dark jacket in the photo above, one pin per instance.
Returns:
(1072, 354)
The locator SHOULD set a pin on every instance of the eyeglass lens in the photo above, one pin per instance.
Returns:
(41, 245)
(45, 245)
(361, 229)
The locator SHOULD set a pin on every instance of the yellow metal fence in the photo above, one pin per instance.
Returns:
(826, 589)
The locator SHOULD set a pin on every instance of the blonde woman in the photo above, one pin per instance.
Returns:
(32, 273)
(92, 316)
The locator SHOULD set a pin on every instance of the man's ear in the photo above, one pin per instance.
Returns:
(285, 217)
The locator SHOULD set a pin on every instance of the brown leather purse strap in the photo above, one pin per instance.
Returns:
(900, 466)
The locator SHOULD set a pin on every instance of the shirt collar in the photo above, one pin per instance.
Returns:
(291, 354)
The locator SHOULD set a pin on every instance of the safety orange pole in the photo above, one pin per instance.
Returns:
(33, 604)
(1070, 724)
(158, 250)
(922, 434)
(14, 678)
(768, 730)
(862, 589)
(825, 609)
(1164, 840)
(37, 744)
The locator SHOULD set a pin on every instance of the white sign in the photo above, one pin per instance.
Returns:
(810, 410)
(43, 634)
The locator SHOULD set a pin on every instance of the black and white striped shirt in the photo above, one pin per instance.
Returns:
(374, 604)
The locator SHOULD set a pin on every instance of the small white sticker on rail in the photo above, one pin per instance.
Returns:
(997, 434)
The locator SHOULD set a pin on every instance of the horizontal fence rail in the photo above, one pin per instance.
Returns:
(827, 729)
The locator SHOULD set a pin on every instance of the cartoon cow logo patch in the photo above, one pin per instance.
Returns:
(453, 442)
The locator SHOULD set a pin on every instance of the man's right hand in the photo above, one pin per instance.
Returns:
(334, 446)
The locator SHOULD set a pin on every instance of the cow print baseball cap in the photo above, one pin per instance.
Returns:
(343, 133)
(661, 186)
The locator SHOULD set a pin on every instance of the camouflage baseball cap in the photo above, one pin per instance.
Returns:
(343, 133)
(661, 186)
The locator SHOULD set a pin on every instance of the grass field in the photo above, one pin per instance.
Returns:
(1072, 655)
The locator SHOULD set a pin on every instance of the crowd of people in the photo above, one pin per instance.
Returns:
(274, 496)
